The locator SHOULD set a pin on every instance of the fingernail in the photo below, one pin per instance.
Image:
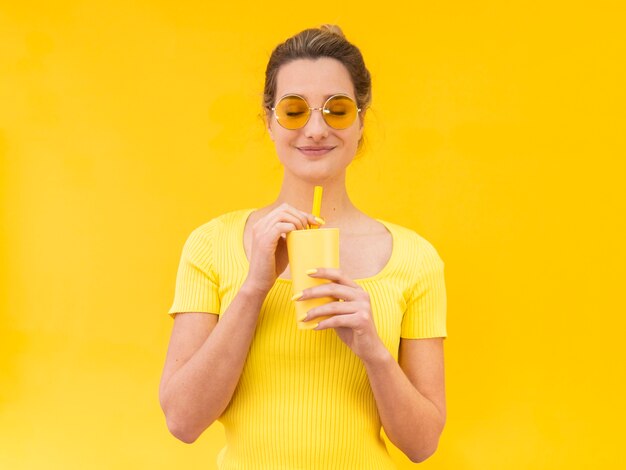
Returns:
(283, 235)
(316, 325)
(320, 221)
(297, 296)
(310, 271)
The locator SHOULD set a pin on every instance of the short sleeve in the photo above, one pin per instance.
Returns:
(197, 285)
(425, 315)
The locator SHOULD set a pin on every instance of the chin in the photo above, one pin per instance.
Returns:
(316, 172)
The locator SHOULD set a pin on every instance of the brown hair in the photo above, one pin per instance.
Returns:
(325, 41)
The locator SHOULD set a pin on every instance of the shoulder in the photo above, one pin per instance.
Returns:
(220, 227)
(411, 246)
(223, 222)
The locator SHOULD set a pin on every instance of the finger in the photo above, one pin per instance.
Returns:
(281, 211)
(271, 236)
(337, 321)
(269, 224)
(305, 217)
(330, 289)
(333, 274)
(282, 228)
(331, 308)
(294, 218)
(293, 215)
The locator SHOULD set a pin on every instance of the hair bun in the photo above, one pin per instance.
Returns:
(326, 40)
(333, 29)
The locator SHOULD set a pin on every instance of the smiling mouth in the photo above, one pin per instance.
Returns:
(315, 150)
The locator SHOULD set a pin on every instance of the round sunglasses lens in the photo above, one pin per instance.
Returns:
(292, 112)
(340, 112)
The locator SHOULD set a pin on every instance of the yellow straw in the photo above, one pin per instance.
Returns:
(317, 202)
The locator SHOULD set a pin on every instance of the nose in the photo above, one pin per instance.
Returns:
(316, 128)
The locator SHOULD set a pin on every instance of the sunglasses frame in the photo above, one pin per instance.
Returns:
(323, 110)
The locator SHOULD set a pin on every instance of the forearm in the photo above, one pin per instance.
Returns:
(411, 421)
(200, 390)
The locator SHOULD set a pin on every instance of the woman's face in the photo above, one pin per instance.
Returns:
(315, 152)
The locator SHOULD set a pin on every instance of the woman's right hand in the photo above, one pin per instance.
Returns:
(268, 254)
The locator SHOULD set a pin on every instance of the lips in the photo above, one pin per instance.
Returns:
(315, 150)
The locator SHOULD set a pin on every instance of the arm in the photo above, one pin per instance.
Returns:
(409, 395)
(204, 361)
(205, 358)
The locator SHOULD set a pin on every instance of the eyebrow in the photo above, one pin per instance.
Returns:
(325, 97)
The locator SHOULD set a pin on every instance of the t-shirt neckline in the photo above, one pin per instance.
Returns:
(386, 268)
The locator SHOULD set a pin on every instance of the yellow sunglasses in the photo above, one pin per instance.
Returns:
(293, 112)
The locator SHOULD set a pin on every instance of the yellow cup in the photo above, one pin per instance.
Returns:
(310, 249)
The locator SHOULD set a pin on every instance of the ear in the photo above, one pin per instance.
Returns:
(361, 124)
(268, 125)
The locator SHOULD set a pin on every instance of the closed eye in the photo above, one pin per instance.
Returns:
(336, 111)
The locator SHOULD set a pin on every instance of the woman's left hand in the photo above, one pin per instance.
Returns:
(351, 312)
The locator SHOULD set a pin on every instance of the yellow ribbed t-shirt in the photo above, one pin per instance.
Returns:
(304, 400)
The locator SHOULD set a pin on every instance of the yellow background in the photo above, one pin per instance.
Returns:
(497, 131)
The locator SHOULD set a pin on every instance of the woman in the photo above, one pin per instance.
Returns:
(291, 398)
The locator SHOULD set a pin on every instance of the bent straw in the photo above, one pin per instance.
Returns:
(317, 202)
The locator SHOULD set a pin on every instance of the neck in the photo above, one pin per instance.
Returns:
(337, 208)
